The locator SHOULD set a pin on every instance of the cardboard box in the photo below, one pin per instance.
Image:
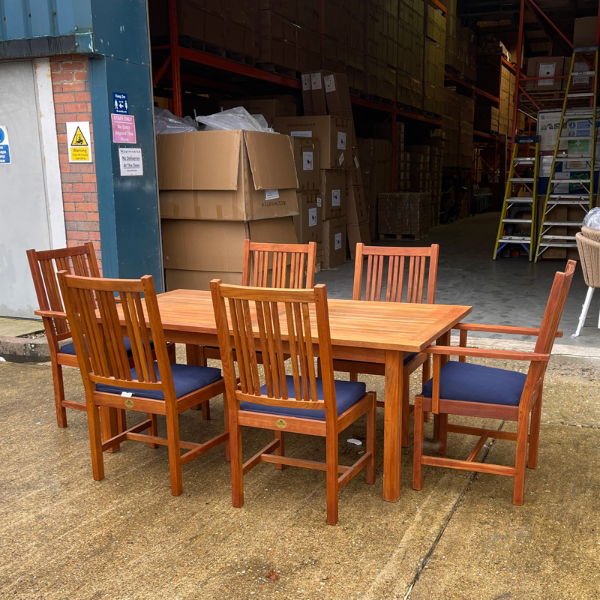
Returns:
(218, 245)
(333, 134)
(337, 95)
(545, 66)
(233, 175)
(334, 193)
(318, 102)
(584, 32)
(307, 156)
(309, 221)
(269, 108)
(334, 243)
(178, 279)
(307, 94)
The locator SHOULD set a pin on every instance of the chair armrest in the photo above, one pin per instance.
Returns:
(488, 353)
(52, 314)
(501, 329)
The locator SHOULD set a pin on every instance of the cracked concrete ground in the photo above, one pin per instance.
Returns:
(65, 537)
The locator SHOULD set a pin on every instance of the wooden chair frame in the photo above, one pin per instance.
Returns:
(98, 336)
(414, 288)
(527, 414)
(278, 323)
(266, 265)
(44, 265)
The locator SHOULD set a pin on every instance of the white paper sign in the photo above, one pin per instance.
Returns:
(315, 81)
(337, 241)
(341, 159)
(79, 142)
(356, 163)
(312, 216)
(319, 202)
(329, 81)
(271, 194)
(131, 162)
(336, 197)
(307, 161)
(306, 81)
(341, 140)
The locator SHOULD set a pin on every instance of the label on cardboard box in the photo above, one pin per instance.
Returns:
(356, 163)
(336, 197)
(341, 140)
(271, 194)
(319, 202)
(305, 81)
(312, 216)
(337, 241)
(329, 81)
(546, 70)
(315, 81)
(341, 159)
(301, 133)
(308, 161)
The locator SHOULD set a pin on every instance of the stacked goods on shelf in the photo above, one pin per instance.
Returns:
(404, 214)
(410, 60)
(434, 61)
(486, 117)
(460, 45)
(545, 66)
(457, 124)
(222, 185)
(283, 105)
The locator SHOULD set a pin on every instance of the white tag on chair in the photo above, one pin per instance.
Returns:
(127, 394)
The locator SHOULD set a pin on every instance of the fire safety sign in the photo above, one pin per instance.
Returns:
(4, 146)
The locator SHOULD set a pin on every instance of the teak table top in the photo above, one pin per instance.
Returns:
(396, 326)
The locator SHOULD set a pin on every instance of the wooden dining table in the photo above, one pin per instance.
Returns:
(380, 332)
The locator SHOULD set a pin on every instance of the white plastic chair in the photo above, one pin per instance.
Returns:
(588, 244)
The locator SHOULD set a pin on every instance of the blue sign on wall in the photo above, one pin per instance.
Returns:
(120, 105)
(4, 147)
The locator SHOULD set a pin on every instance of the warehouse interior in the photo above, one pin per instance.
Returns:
(436, 93)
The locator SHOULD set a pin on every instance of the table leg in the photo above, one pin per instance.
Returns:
(392, 434)
(195, 356)
(443, 340)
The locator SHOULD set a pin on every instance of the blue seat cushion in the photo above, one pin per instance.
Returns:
(186, 378)
(347, 394)
(70, 348)
(478, 383)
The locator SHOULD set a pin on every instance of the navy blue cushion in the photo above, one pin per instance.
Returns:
(347, 393)
(477, 383)
(186, 378)
(70, 348)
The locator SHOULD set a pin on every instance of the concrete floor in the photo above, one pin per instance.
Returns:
(65, 537)
(507, 291)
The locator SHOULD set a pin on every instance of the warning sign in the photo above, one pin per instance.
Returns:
(79, 140)
(4, 146)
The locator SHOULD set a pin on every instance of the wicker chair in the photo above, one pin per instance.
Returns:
(588, 244)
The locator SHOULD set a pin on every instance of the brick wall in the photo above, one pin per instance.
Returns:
(72, 102)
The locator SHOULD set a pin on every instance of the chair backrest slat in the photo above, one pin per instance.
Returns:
(279, 265)
(100, 323)
(281, 323)
(410, 274)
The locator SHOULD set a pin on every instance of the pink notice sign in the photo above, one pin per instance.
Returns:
(123, 129)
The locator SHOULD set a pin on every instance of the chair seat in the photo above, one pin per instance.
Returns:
(478, 383)
(70, 348)
(186, 379)
(347, 394)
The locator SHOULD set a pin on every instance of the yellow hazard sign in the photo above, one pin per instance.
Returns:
(79, 140)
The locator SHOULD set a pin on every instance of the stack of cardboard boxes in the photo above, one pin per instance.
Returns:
(218, 188)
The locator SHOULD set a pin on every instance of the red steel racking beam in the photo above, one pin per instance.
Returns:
(175, 59)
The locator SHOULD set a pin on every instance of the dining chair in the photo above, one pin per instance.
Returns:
(101, 324)
(394, 275)
(474, 390)
(287, 325)
(44, 265)
(589, 255)
(267, 265)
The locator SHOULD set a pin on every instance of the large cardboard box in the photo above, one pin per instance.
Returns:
(309, 220)
(545, 66)
(218, 245)
(230, 175)
(334, 243)
(307, 156)
(334, 193)
(584, 32)
(333, 134)
(179, 279)
(337, 94)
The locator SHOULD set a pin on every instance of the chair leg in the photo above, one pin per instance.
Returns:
(153, 429)
(281, 450)
(331, 443)
(172, 352)
(236, 465)
(443, 434)
(226, 424)
(417, 481)
(534, 434)
(405, 409)
(353, 376)
(371, 440)
(520, 459)
(175, 474)
(194, 355)
(109, 424)
(426, 376)
(584, 311)
(59, 394)
(93, 415)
